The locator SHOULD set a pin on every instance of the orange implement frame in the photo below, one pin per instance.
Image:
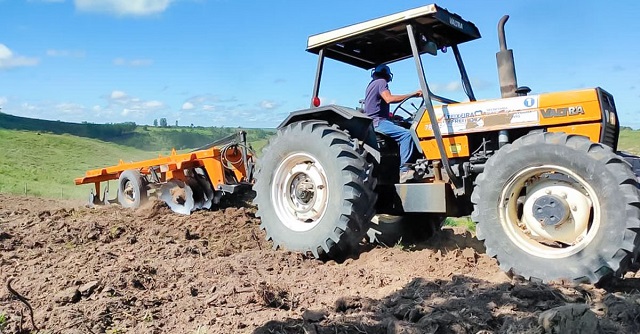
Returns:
(172, 167)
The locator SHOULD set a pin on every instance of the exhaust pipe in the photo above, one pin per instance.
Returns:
(506, 65)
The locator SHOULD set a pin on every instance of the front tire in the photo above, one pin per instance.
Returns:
(314, 189)
(552, 206)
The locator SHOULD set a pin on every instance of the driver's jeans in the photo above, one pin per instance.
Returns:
(402, 136)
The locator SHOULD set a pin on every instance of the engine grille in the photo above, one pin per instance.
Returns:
(610, 124)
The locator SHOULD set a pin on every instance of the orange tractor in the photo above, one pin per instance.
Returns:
(539, 173)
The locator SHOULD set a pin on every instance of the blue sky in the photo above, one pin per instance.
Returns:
(243, 63)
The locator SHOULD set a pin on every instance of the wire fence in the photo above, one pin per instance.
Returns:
(27, 190)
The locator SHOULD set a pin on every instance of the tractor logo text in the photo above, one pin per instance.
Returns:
(455, 23)
(561, 112)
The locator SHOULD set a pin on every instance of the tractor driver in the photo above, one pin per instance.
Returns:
(376, 105)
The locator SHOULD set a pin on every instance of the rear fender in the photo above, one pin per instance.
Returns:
(358, 124)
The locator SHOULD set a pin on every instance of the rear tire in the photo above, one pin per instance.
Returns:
(552, 206)
(314, 189)
(132, 190)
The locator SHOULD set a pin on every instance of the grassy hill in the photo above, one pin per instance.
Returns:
(42, 158)
(146, 138)
(44, 164)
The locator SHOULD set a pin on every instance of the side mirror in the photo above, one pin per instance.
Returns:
(430, 48)
(427, 46)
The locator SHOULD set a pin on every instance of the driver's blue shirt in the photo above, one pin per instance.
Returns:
(374, 105)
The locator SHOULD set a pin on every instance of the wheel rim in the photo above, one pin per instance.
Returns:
(300, 192)
(549, 211)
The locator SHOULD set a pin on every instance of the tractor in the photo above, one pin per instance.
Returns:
(539, 174)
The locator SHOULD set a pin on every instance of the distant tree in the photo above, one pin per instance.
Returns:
(145, 128)
(176, 122)
(155, 122)
(163, 122)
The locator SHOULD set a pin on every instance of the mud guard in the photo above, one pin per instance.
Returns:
(355, 122)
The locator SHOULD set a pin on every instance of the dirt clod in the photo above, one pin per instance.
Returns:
(68, 295)
(570, 319)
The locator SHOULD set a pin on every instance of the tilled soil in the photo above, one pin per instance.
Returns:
(113, 270)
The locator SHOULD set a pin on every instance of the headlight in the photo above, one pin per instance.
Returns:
(612, 118)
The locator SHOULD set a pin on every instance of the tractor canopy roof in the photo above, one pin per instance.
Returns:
(385, 40)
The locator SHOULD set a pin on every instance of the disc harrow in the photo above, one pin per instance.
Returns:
(185, 181)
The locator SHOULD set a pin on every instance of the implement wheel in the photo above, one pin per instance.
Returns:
(132, 190)
(313, 189)
(554, 206)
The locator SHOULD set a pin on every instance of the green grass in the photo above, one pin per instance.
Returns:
(47, 164)
(629, 141)
(3, 321)
(259, 145)
(465, 222)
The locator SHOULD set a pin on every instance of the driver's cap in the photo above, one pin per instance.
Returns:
(382, 69)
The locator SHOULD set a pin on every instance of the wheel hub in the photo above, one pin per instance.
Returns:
(128, 191)
(551, 210)
(300, 193)
(303, 189)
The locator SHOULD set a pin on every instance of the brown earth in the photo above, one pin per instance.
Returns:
(108, 269)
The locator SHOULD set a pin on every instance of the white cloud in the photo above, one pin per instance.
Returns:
(120, 102)
(266, 104)
(140, 62)
(116, 94)
(66, 53)
(69, 108)
(132, 62)
(117, 107)
(202, 102)
(123, 7)
(187, 106)
(152, 104)
(9, 60)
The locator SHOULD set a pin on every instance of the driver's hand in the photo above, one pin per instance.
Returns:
(418, 93)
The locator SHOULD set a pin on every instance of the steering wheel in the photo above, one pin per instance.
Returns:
(400, 106)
